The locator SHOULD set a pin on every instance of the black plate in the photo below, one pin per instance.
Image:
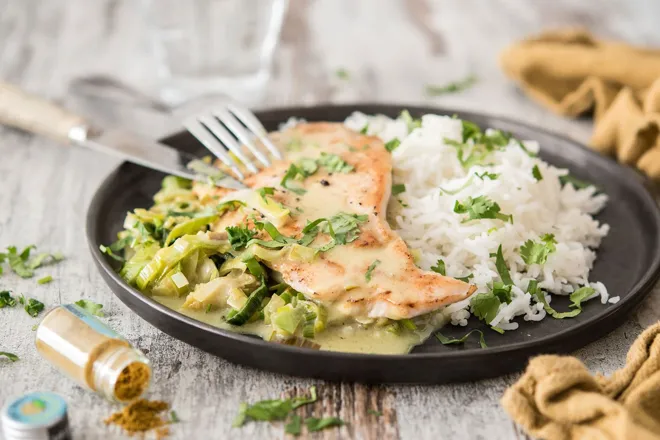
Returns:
(628, 263)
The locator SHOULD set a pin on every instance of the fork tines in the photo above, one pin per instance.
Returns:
(230, 127)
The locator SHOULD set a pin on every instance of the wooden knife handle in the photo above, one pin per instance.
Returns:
(36, 115)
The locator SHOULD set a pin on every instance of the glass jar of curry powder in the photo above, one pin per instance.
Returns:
(92, 354)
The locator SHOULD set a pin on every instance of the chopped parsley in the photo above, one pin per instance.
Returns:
(334, 163)
(90, 307)
(32, 306)
(308, 166)
(263, 192)
(174, 418)
(439, 267)
(392, 145)
(452, 87)
(486, 175)
(21, 263)
(344, 228)
(239, 236)
(470, 130)
(449, 341)
(370, 269)
(533, 252)
(480, 208)
(537, 173)
(293, 173)
(374, 412)
(577, 183)
(398, 189)
(11, 356)
(502, 291)
(501, 267)
(273, 409)
(576, 298)
(294, 427)
(342, 74)
(465, 279)
(45, 280)
(6, 300)
(314, 424)
(485, 306)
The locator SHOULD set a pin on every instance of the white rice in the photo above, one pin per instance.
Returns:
(424, 215)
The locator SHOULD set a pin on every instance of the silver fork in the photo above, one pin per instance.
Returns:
(228, 127)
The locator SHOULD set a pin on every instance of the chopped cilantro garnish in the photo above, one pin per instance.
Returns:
(45, 280)
(365, 129)
(370, 269)
(314, 424)
(448, 341)
(344, 228)
(410, 121)
(452, 87)
(480, 208)
(485, 306)
(486, 175)
(342, 74)
(263, 192)
(502, 291)
(174, 418)
(6, 300)
(208, 308)
(90, 307)
(537, 252)
(501, 267)
(537, 173)
(398, 189)
(32, 306)
(374, 412)
(453, 192)
(239, 236)
(392, 145)
(465, 279)
(576, 298)
(308, 166)
(18, 261)
(334, 163)
(273, 409)
(294, 427)
(11, 356)
(572, 180)
(470, 130)
(294, 172)
(439, 267)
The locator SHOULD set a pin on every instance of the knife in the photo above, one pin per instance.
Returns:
(21, 110)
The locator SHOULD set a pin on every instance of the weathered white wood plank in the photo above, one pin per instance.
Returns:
(391, 49)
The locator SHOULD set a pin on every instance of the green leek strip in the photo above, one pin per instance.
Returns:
(190, 227)
(251, 306)
(309, 324)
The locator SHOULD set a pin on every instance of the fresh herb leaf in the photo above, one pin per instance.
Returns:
(449, 341)
(465, 279)
(392, 144)
(457, 190)
(342, 74)
(263, 192)
(452, 87)
(308, 166)
(486, 175)
(580, 295)
(344, 228)
(45, 280)
(485, 306)
(334, 163)
(241, 417)
(537, 252)
(6, 300)
(208, 308)
(174, 418)
(314, 424)
(374, 412)
(106, 250)
(239, 236)
(46, 258)
(299, 401)
(370, 269)
(272, 409)
(32, 306)
(439, 267)
(274, 233)
(398, 188)
(11, 356)
(470, 130)
(537, 173)
(365, 129)
(292, 173)
(502, 291)
(537, 293)
(90, 307)
(17, 261)
(294, 427)
(480, 208)
(501, 267)
(572, 180)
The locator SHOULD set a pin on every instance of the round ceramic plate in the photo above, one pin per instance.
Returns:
(628, 263)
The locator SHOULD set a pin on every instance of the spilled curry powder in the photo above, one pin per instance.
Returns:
(132, 382)
(142, 416)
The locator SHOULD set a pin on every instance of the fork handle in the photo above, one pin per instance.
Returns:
(20, 109)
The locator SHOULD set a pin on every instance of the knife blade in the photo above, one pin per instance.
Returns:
(155, 155)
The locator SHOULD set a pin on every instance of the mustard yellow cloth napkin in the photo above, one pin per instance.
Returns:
(558, 399)
(571, 72)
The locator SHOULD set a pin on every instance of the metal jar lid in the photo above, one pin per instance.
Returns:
(36, 416)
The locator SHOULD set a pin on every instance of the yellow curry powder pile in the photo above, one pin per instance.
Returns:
(142, 416)
(132, 382)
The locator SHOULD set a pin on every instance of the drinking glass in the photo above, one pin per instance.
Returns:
(213, 46)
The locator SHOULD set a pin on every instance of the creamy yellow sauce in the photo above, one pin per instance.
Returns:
(350, 337)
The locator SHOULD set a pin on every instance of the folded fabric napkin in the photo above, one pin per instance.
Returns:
(571, 73)
(557, 398)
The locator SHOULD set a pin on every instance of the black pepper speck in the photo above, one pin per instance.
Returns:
(325, 182)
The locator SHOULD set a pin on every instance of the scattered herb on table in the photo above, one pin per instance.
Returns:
(11, 356)
(90, 307)
(174, 418)
(32, 306)
(314, 424)
(452, 87)
(342, 74)
(272, 409)
(294, 427)
(449, 341)
(45, 280)
(370, 269)
(374, 412)
(6, 300)
(21, 263)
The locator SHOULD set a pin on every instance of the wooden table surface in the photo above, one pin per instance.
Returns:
(391, 50)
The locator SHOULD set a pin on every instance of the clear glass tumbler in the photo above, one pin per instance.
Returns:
(207, 47)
